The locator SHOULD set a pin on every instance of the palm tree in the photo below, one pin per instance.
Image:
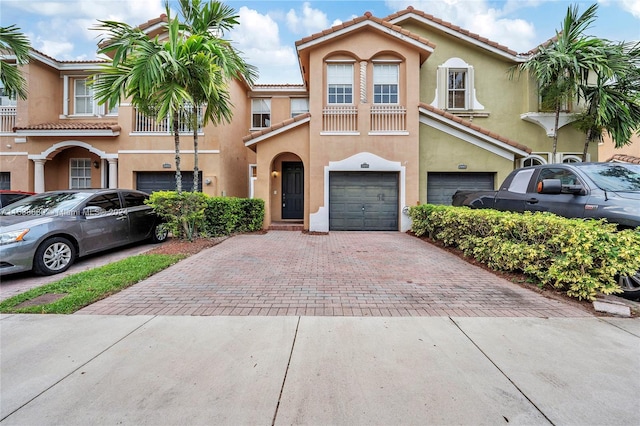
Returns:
(176, 76)
(11, 39)
(215, 61)
(613, 100)
(563, 64)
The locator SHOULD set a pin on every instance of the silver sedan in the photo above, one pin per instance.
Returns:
(46, 232)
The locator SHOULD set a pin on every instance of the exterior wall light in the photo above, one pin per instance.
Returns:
(274, 174)
(96, 164)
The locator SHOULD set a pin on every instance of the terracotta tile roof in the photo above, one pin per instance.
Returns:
(411, 10)
(152, 22)
(275, 127)
(625, 158)
(475, 127)
(70, 126)
(366, 17)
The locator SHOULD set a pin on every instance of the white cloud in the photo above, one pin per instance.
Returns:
(631, 6)
(258, 38)
(307, 21)
(481, 18)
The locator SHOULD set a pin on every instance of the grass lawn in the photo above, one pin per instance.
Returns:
(79, 290)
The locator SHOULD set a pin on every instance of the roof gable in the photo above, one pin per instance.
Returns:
(447, 27)
(472, 133)
(367, 21)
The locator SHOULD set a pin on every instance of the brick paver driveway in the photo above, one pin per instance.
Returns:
(342, 273)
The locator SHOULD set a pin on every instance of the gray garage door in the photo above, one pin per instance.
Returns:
(363, 201)
(442, 186)
(164, 181)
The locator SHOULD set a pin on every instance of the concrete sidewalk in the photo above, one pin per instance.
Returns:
(166, 370)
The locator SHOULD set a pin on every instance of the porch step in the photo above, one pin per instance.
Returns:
(286, 226)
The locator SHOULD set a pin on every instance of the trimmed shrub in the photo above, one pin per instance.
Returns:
(228, 215)
(190, 214)
(182, 212)
(580, 257)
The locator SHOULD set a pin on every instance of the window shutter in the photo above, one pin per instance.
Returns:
(470, 88)
(442, 87)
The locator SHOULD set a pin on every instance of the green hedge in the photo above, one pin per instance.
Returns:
(191, 214)
(228, 215)
(581, 257)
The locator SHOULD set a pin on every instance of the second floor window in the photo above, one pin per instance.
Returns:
(340, 83)
(457, 89)
(260, 113)
(80, 173)
(385, 83)
(299, 106)
(83, 98)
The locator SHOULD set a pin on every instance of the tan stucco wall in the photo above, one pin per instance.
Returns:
(607, 149)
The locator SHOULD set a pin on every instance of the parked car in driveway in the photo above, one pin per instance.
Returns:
(9, 196)
(608, 191)
(46, 232)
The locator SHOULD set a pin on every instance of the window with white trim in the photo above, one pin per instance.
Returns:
(80, 173)
(385, 83)
(340, 83)
(260, 113)
(82, 97)
(299, 106)
(455, 87)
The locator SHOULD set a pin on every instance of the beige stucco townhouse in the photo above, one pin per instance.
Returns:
(393, 112)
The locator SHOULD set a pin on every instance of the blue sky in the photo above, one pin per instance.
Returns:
(269, 29)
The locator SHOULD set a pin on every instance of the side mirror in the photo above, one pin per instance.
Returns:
(550, 186)
(555, 186)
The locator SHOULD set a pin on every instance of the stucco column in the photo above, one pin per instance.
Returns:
(363, 82)
(113, 172)
(38, 175)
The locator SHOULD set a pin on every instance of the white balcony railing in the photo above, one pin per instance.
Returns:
(338, 119)
(7, 118)
(145, 124)
(388, 118)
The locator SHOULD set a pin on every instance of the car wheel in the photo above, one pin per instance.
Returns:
(159, 234)
(631, 286)
(54, 255)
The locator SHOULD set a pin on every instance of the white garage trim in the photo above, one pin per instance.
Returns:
(361, 162)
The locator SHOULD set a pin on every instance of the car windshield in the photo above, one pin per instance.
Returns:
(47, 204)
(615, 177)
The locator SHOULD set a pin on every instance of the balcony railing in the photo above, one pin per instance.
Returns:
(145, 124)
(7, 118)
(388, 118)
(340, 119)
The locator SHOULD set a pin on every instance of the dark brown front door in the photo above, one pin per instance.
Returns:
(292, 190)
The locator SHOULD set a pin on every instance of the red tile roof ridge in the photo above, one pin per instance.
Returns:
(276, 126)
(70, 126)
(366, 17)
(475, 127)
(625, 158)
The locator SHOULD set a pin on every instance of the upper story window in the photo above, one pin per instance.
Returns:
(299, 106)
(82, 97)
(455, 87)
(340, 83)
(260, 113)
(385, 83)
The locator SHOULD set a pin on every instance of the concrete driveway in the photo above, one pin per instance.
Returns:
(339, 274)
